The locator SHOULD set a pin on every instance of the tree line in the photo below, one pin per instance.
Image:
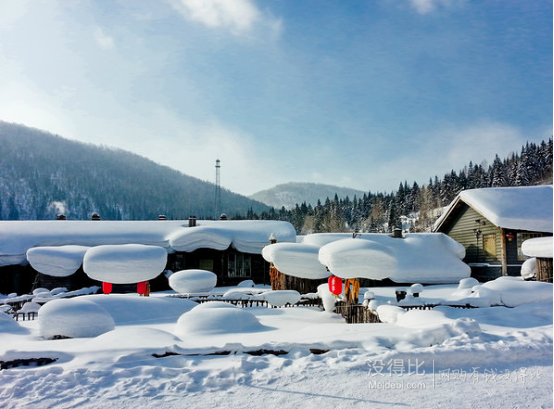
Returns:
(412, 207)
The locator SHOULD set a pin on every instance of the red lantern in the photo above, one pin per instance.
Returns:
(335, 285)
(141, 287)
(107, 288)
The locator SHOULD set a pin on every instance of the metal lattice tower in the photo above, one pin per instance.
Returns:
(217, 201)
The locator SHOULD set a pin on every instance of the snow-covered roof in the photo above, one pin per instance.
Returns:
(418, 257)
(538, 247)
(17, 237)
(296, 259)
(520, 208)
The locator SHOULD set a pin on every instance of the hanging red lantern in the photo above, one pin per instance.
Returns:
(107, 288)
(335, 285)
(510, 236)
(141, 287)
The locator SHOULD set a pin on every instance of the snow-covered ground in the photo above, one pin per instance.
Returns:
(174, 353)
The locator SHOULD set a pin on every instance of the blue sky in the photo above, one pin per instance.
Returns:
(358, 93)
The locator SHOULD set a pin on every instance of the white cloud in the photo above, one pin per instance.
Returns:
(104, 41)
(429, 6)
(238, 16)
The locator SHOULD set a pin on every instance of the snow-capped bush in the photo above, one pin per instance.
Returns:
(192, 281)
(30, 306)
(327, 297)
(529, 268)
(416, 289)
(73, 318)
(514, 291)
(280, 297)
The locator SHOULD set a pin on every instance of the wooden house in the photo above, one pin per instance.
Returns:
(493, 223)
(231, 249)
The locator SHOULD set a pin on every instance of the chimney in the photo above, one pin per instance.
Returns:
(223, 216)
(192, 221)
(61, 217)
(95, 216)
(162, 217)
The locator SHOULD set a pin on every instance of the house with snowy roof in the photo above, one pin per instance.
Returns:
(373, 258)
(51, 253)
(493, 223)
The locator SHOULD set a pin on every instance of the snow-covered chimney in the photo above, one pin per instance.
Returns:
(192, 221)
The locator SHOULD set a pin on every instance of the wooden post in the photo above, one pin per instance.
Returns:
(504, 255)
(544, 270)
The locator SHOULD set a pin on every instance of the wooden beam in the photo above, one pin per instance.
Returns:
(504, 255)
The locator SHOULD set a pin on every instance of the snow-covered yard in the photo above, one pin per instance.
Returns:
(174, 353)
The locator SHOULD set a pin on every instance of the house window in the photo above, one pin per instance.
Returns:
(489, 245)
(206, 265)
(521, 237)
(239, 265)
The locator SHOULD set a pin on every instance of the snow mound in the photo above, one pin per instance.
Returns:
(131, 309)
(192, 281)
(126, 337)
(296, 259)
(9, 326)
(73, 318)
(280, 297)
(465, 287)
(60, 261)
(124, 264)
(514, 291)
(216, 318)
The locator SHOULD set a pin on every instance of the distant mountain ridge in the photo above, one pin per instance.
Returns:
(288, 195)
(42, 175)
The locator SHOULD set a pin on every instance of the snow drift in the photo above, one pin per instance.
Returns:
(216, 318)
(73, 318)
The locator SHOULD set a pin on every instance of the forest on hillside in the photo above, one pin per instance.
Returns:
(412, 207)
(42, 175)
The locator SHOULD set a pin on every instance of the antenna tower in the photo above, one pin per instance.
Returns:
(217, 204)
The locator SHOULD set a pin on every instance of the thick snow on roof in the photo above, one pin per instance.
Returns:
(125, 263)
(521, 208)
(538, 247)
(245, 236)
(416, 258)
(296, 259)
(59, 261)
(16, 237)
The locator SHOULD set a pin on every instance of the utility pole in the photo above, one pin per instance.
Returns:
(217, 201)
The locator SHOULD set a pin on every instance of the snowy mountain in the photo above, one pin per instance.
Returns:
(288, 195)
(42, 175)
